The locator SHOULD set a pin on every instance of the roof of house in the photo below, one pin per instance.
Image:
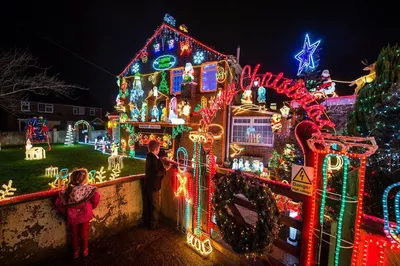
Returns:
(166, 27)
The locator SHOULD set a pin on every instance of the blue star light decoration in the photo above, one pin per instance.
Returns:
(305, 56)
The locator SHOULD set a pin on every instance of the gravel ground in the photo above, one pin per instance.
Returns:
(139, 246)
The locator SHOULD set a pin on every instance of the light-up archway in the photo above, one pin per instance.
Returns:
(76, 128)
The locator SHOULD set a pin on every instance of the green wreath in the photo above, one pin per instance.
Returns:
(241, 236)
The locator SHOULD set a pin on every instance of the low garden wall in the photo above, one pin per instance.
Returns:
(10, 138)
(30, 226)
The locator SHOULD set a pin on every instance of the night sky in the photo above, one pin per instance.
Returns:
(110, 33)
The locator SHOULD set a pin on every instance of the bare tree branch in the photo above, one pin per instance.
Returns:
(21, 75)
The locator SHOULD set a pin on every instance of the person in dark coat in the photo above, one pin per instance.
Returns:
(155, 171)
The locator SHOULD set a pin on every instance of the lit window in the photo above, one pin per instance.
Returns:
(208, 78)
(255, 131)
(176, 80)
(25, 106)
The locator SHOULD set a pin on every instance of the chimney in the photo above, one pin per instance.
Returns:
(237, 54)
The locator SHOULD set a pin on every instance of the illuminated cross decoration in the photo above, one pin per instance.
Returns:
(305, 56)
(181, 191)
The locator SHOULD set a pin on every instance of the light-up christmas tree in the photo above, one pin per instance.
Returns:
(69, 138)
(376, 114)
(163, 88)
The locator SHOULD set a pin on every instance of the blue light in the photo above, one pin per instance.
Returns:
(305, 56)
(157, 47)
(169, 19)
(135, 68)
(198, 58)
(171, 44)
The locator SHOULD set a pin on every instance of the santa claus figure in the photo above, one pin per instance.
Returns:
(188, 73)
(327, 86)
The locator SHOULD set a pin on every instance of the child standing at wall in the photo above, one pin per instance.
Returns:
(155, 171)
(78, 202)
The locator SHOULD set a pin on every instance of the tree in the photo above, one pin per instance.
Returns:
(286, 152)
(377, 115)
(21, 75)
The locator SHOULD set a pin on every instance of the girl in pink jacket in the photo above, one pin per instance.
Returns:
(77, 201)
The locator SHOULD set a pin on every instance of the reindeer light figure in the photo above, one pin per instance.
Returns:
(360, 82)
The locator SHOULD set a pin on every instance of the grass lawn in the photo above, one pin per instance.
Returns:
(28, 175)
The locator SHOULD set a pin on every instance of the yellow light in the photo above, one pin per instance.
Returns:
(250, 107)
(109, 124)
(204, 247)
(337, 166)
(219, 135)
(8, 190)
(197, 136)
(236, 149)
(285, 110)
(204, 102)
(115, 172)
(51, 171)
(37, 153)
(182, 191)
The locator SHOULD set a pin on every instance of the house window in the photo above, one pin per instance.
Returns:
(176, 80)
(77, 110)
(25, 106)
(92, 111)
(45, 108)
(208, 78)
(255, 131)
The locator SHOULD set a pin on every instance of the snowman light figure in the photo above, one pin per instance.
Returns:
(241, 166)
(235, 165)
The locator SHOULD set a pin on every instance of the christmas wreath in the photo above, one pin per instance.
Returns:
(241, 236)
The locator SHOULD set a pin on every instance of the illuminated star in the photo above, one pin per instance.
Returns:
(305, 56)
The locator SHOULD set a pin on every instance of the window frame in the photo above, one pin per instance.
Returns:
(171, 80)
(252, 123)
(28, 104)
(78, 108)
(201, 76)
(94, 111)
(46, 105)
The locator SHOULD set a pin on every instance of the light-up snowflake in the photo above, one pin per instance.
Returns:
(135, 67)
(198, 57)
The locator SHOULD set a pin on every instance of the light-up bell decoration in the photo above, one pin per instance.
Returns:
(285, 110)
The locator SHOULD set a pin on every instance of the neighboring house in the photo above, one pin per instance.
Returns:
(57, 115)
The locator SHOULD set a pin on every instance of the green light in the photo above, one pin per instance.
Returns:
(342, 204)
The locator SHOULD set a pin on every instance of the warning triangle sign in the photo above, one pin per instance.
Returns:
(302, 177)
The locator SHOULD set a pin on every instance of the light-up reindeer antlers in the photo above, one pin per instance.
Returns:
(360, 82)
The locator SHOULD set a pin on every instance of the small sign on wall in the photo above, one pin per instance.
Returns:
(302, 178)
(150, 126)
